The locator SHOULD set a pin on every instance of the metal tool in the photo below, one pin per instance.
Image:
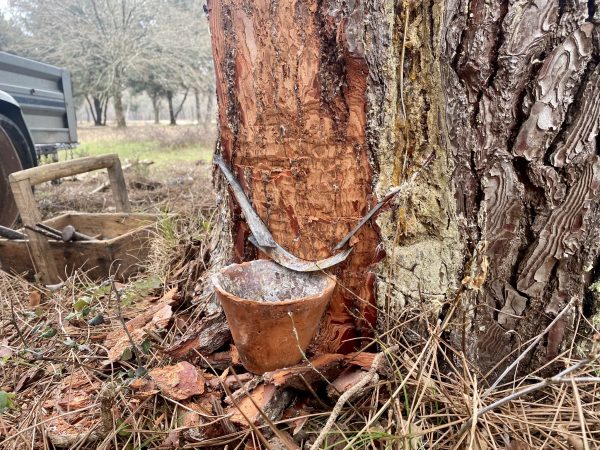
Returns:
(69, 233)
(9, 233)
(262, 238)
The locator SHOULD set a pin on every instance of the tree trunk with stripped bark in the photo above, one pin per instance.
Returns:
(325, 106)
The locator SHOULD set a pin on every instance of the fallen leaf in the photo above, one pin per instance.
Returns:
(155, 318)
(35, 298)
(180, 381)
(172, 440)
(5, 350)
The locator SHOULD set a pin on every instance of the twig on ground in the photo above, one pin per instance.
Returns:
(370, 376)
(580, 414)
(489, 390)
(556, 379)
(118, 294)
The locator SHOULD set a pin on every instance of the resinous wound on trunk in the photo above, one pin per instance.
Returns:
(292, 115)
(423, 249)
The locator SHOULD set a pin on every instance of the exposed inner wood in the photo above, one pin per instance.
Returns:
(292, 114)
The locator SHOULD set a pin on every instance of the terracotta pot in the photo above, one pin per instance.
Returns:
(260, 299)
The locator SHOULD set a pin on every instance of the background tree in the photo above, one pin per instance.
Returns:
(111, 45)
(9, 33)
(324, 107)
(177, 65)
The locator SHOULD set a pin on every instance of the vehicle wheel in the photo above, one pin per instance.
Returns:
(15, 155)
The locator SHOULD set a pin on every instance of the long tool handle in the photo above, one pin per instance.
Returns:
(9, 233)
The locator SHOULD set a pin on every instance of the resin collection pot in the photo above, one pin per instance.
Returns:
(273, 312)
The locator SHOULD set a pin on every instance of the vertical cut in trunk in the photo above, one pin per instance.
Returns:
(292, 116)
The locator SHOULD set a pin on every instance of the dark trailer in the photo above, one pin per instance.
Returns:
(37, 117)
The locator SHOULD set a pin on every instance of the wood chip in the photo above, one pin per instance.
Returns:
(272, 400)
(345, 381)
(76, 391)
(221, 360)
(321, 368)
(153, 319)
(361, 359)
(143, 387)
(180, 381)
(205, 337)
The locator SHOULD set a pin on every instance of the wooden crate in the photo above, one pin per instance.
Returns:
(120, 245)
(121, 248)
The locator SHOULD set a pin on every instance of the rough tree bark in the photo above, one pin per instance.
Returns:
(325, 106)
(155, 98)
(119, 109)
(96, 105)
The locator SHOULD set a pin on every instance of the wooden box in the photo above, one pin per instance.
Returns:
(119, 242)
(121, 248)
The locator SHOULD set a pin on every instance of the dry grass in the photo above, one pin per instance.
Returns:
(166, 137)
(421, 399)
(426, 395)
(431, 394)
(182, 188)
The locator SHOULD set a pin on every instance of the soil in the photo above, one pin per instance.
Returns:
(177, 189)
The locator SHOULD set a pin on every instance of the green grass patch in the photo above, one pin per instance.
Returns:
(165, 146)
(152, 151)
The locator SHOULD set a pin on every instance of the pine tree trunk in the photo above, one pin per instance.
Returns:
(524, 96)
(119, 109)
(156, 108)
(321, 118)
(97, 111)
(172, 118)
